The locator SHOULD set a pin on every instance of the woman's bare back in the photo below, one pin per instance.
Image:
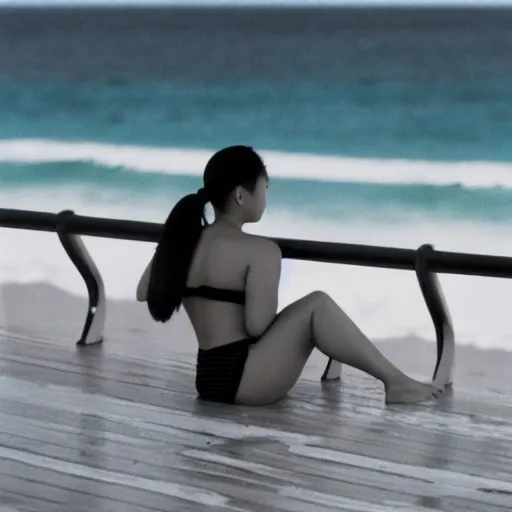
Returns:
(221, 260)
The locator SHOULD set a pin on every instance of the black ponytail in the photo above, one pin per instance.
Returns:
(173, 256)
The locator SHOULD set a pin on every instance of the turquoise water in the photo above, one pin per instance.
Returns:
(450, 121)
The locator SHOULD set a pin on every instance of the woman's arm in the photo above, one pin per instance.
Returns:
(142, 287)
(262, 285)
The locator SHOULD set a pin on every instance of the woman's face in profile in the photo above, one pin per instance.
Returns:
(258, 201)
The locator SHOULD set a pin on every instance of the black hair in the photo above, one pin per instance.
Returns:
(228, 168)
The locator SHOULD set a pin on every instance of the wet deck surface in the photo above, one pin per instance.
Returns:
(99, 430)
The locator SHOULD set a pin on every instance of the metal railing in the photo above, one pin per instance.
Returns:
(426, 262)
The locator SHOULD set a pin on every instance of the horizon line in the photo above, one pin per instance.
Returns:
(257, 3)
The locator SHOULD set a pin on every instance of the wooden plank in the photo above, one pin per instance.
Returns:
(34, 496)
(219, 461)
(480, 428)
(302, 414)
(33, 481)
(122, 432)
(103, 434)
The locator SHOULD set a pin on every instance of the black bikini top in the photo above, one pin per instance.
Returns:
(209, 292)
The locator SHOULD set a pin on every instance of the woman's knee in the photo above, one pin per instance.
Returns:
(318, 297)
(303, 309)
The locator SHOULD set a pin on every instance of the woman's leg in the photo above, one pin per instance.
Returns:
(277, 360)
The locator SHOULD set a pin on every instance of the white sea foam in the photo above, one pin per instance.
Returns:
(283, 165)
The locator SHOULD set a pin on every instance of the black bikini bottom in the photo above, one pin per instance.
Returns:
(219, 370)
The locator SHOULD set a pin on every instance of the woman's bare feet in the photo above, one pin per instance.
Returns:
(410, 391)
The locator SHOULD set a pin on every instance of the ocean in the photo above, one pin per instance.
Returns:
(378, 126)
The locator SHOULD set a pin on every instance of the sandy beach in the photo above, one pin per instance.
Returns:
(45, 312)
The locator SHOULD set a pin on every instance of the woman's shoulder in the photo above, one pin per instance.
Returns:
(244, 245)
(262, 246)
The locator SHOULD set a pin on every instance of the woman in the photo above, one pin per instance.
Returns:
(228, 282)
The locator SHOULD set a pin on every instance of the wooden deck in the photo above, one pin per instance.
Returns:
(97, 430)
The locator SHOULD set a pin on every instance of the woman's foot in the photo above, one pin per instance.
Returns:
(410, 391)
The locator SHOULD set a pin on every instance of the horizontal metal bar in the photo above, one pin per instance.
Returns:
(326, 252)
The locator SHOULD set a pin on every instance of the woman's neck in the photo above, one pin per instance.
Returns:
(225, 220)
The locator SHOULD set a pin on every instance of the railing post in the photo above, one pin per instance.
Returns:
(332, 371)
(73, 245)
(438, 309)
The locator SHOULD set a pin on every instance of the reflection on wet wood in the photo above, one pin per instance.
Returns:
(84, 430)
